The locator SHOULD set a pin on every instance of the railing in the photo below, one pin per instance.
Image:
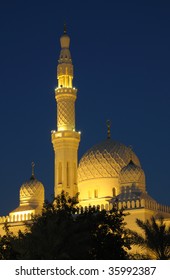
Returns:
(127, 205)
(143, 203)
(131, 204)
(16, 218)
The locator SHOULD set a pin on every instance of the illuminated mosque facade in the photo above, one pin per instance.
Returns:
(108, 173)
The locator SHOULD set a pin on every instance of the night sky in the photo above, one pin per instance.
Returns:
(121, 56)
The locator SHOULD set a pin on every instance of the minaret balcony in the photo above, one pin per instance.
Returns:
(65, 134)
(65, 90)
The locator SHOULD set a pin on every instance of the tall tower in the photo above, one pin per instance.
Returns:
(66, 139)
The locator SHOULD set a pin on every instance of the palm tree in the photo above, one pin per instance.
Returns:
(155, 238)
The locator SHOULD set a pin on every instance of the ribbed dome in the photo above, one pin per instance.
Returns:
(32, 192)
(132, 174)
(105, 160)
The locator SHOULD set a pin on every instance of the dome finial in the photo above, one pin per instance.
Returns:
(65, 28)
(108, 123)
(131, 152)
(33, 175)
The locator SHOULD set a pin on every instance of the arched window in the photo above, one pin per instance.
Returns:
(113, 192)
(59, 173)
(106, 207)
(68, 174)
(95, 193)
(75, 177)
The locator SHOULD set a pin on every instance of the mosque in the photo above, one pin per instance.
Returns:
(108, 173)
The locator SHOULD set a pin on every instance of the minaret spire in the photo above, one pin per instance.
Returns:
(131, 154)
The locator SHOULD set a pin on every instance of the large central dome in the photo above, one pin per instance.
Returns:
(104, 160)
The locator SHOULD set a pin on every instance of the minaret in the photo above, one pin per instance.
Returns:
(66, 139)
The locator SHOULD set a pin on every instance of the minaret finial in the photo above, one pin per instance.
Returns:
(65, 28)
(131, 152)
(33, 165)
(108, 129)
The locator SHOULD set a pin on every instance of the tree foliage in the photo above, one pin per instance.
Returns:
(155, 239)
(6, 245)
(61, 233)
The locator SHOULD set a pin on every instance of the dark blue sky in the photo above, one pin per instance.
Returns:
(121, 57)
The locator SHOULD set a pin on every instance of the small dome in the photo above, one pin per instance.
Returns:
(32, 192)
(132, 174)
(65, 41)
(105, 160)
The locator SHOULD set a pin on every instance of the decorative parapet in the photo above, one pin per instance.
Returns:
(4, 219)
(16, 218)
(127, 205)
(130, 204)
(153, 205)
(143, 203)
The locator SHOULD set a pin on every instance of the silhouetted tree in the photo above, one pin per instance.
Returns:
(7, 244)
(63, 233)
(110, 239)
(155, 239)
(50, 232)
